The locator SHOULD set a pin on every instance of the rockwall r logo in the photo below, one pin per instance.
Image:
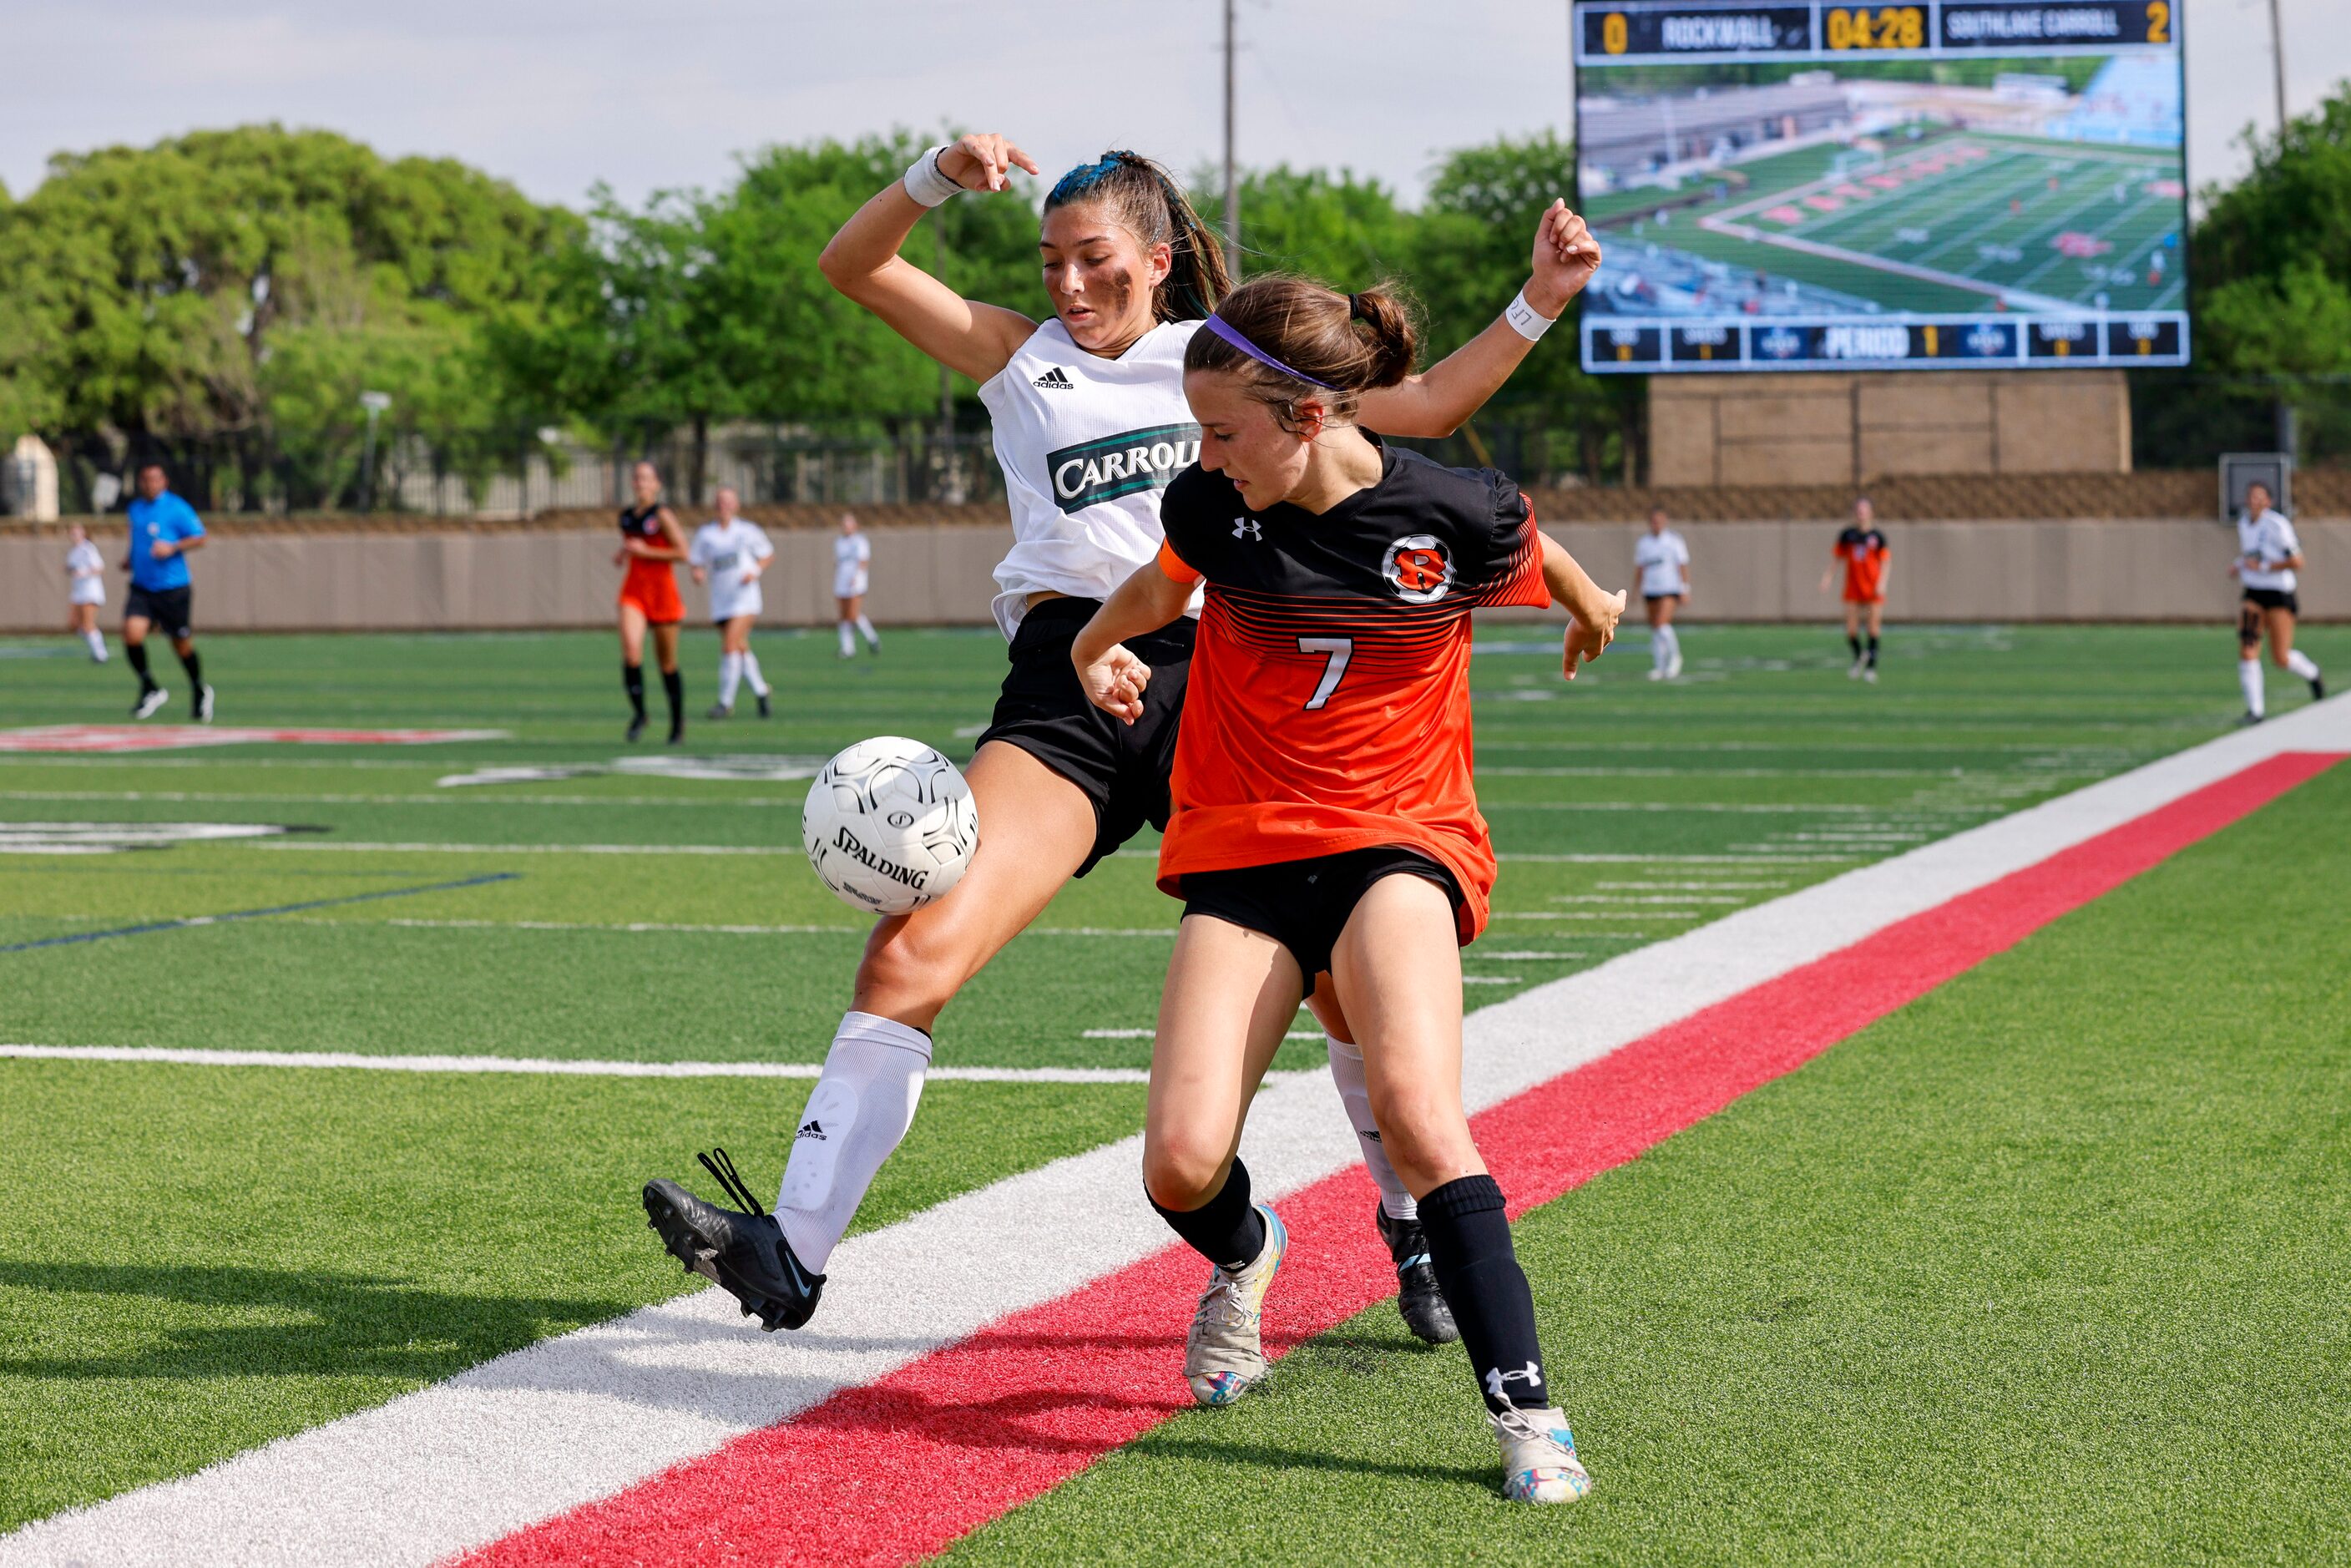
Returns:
(1419, 568)
(1121, 465)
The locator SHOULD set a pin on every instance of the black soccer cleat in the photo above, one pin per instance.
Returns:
(1418, 1300)
(719, 710)
(764, 711)
(636, 729)
(743, 1253)
(2318, 688)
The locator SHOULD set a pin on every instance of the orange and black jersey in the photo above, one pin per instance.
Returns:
(1864, 553)
(1329, 701)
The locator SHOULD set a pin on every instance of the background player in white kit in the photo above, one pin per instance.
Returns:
(1662, 559)
(853, 574)
(86, 572)
(729, 552)
(2269, 554)
(1091, 425)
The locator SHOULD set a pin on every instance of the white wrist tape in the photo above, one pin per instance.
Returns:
(1524, 318)
(924, 182)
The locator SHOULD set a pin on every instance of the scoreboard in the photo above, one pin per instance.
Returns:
(1948, 184)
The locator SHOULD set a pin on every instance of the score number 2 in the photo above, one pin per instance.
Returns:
(1887, 28)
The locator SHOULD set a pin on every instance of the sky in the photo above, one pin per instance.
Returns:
(646, 95)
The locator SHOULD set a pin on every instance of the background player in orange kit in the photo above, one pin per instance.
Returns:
(1868, 568)
(651, 544)
(1323, 817)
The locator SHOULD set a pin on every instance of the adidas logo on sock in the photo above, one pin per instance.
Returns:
(1055, 380)
(813, 1129)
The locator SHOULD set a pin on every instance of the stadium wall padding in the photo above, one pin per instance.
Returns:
(452, 578)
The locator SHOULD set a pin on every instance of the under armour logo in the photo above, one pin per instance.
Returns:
(1497, 1378)
(813, 1129)
(1248, 528)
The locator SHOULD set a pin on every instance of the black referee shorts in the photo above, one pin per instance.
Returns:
(1304, 905)
(1122, 768)
(171, 610)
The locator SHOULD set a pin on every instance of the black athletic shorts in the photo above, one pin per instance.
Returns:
(171, 609)
(1122, 768)
(2256, 601)
(1304, 905)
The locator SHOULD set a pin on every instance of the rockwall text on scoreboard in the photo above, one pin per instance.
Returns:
(1634, 33)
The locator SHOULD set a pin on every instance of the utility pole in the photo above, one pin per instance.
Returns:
(1232, 187)
(2277, 61)
(2289, 422)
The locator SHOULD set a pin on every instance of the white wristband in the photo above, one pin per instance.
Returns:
(1524, 318)
(924, 181)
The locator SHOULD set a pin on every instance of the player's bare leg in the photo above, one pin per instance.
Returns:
(1036, 829)
(1398, 971)
(633, 665)
(2284, 653)
(1231, 994)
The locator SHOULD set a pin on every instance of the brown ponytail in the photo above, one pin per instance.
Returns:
(1340, 345)
(1150, 204)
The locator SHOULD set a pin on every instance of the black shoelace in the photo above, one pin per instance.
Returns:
(722, 1170)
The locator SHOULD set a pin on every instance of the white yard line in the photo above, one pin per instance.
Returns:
(584, 1414)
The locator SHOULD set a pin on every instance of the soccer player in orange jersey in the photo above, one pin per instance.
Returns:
(651, 544)
(1868, 564)
(1323, 815)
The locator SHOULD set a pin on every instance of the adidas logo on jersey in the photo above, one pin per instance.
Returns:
(1055, 380)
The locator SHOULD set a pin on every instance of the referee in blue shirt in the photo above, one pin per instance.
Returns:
(163, 529)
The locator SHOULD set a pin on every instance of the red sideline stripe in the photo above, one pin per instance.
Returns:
(893, 1471)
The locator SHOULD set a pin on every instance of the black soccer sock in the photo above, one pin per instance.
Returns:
(673, 688)
(1469, 1248)
(137, 654)
(193, 663)
(1224, 1230)
(632, 677)
(1873, 651)
(1853, 641)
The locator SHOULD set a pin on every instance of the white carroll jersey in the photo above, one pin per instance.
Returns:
(1661, 558)
(2262, 543)
(84, 559)
(725, 551)
(1086, 446)
(852, 563)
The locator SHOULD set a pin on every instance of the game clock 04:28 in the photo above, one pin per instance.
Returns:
(1875, 27)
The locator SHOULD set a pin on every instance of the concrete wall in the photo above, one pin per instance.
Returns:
(2060, 571)
(1853, 430)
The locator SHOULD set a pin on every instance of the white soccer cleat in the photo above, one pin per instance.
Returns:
(1539, 1459)
(1854, 674)
(203, 705)
(1656, 674)
(1870, 675)
(149, 703)
(1674, 669)
(1223, 1352)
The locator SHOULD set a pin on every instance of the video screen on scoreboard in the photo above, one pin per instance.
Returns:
(1991, 185)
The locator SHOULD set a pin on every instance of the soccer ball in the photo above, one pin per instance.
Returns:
(890, 825)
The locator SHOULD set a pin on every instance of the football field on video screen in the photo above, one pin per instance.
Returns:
(330, 1074)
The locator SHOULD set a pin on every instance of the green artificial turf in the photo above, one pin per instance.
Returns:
(197, 1260)
(2044, 1267)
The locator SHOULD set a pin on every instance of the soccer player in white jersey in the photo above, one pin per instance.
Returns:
(852, 575)
(729, 552)
(2269, 555)
(1091, 425)
(1662, 559)
(85, 591)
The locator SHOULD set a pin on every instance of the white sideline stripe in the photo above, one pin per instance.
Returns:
(364, 1063)
(581, 1417)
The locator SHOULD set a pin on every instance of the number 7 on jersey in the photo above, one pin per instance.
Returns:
(1337, 651)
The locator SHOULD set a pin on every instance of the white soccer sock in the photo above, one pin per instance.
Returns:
(848, 639)
(1657, 649)
(2301, 664)
(2249, 676)
(1673, 643)
(751, 672)
(97, 640)
(860, 1110)
(1347, 1073)
(865, 630)
(730, 673)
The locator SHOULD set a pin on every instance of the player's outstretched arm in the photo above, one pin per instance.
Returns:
(1439, 399)
(863, 262)
(1593, 613)
(1113, 677)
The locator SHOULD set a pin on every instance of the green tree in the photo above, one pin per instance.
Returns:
(1346, 230)
(226, 295)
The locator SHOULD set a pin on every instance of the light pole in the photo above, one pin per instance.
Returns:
(2277, 62)
(1232, 190)
(375, 402)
